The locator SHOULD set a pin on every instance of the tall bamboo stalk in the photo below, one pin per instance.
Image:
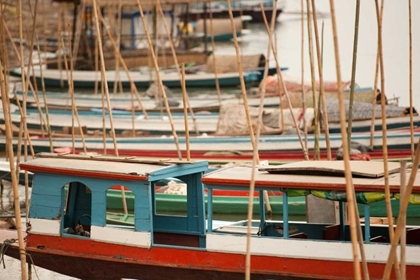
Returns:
(274, 50)
(10, 143)
(346, 156)
(312, 68)
(375, 91)
(241, 76)
(255, 159)
(213, 47)
(184, 102)
(69, 73)
(302, 67)
(353, 71)
(104, 79)
(379, 17)
(403, 183)
(160, 84)
(321, 81)
(410, 76)
(159, 7)
(403, 211)
(124, 65)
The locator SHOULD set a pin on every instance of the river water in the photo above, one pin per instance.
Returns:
(288, 42)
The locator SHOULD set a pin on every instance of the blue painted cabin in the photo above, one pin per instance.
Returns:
(72, 190)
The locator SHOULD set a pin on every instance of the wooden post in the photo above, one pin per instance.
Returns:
(346, 154)
(152, 52)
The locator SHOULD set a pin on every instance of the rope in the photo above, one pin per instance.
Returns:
(6, 244)
(3, 249)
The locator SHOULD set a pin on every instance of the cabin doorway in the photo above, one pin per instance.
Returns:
(77, 212)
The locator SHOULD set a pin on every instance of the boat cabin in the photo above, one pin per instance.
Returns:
(69, 199)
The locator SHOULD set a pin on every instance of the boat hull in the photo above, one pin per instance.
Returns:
(112, 261)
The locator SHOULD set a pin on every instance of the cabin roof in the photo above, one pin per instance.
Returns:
(241, 176)
(109, 167)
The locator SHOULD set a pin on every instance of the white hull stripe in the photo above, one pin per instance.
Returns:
(121, 236)
(308, 249)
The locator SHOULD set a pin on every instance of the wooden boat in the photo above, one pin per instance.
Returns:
(87, 79)
(228, 148)
(239, 8)
(75, 239)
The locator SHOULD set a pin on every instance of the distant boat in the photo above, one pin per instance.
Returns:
(87, 79)
(227, 148)
(239, 8)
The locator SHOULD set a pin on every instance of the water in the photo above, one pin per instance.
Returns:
(288, 40)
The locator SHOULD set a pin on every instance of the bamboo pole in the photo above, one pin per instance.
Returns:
(213, 47)
(255, 158)
(9, 144)
(124, 65)
(241, 75)
(321, 81)
(403, 241)
(159, 7)
(96, 66)
(118, 82)
(346, 156)
(375, 90)
(162, 89)
(379, 16)
(69, 73)
(353, 72)
(184, 100)
(104, 79)
(312, 68)
(304, 150)
(302, 67)
(410, 76)
(403, 211)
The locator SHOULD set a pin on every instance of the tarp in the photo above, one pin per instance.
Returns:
(233, 120)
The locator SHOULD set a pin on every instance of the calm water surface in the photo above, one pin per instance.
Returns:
(288, 40)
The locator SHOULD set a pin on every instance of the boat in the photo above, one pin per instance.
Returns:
(239, 8)
(75, 239)
(54, 78)
(276, 148)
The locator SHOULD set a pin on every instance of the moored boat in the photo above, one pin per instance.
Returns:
(75, 239)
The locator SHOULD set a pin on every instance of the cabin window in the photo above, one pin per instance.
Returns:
(120, 207)
(171, 197)
(77, 203)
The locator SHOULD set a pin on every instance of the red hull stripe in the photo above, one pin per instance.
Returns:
(203, 260)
